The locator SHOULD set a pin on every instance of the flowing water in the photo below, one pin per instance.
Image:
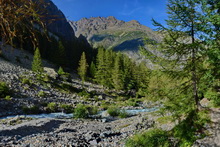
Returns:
(64, 115)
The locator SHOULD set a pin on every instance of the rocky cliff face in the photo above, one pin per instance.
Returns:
(112, 33)
(59, 26)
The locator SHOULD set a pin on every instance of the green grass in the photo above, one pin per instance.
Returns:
(152, 138)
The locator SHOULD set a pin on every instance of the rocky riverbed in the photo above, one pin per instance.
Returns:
(72, 132)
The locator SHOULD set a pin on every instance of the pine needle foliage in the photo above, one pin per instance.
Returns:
(37, 62)
(82, 69)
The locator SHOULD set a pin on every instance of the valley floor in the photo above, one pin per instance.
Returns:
(106, 132)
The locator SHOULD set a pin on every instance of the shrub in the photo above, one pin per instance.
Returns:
(92, 110)
(67, 108)
(60, 71)
(52, 107)
(26, 81)
(113, 111)
(123, 114)
(214, 96)
(7, 98)
(105, 105)
(4, 90)
(31, 110)
(41, 94)
(63, 75)
(84, 94)
(152, 138)
(132, 102)
(65, 87)
(81, 111)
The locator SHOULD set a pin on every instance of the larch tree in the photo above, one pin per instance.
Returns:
(92, 69)
(117, 74)
(182, 48)
(82, 69)
(101, 67)
(37, 62)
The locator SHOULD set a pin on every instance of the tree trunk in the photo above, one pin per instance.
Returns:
(194, 76)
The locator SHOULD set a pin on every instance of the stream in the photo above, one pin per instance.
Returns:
(64, 115)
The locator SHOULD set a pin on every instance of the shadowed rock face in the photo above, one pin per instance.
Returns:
(130, 45)
(60, 25)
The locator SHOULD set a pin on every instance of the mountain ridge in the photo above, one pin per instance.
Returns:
(109, 29)
(115, 34)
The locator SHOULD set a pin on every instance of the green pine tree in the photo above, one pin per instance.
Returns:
(37, 63)
(117, 74)
(100, 75)
(92, 69)
(60, 71)
(181, 49)
(128, 73)
(82, 69)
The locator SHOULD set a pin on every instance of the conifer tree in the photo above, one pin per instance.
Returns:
(82, 69)
(92, 69)
(117, 75)
(182, 48)
(37, 63)
(60, 54)
(128, 73)
(108, 60)
(60, 71)
(101, 67)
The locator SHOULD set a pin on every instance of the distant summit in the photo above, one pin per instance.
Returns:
(113, 33)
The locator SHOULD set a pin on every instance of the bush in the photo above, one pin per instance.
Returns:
(31, 110)
(41, 94)
(123, 114)
(81, 111)
(132, 102)
(92, 110)
(67, 108)
(52, 107)
(60, 71)
(4, 90)
(152, 138)
(84, 94)
(214, 96)
(8, 98)
(113, 111)
(26, 81)
(63, 75)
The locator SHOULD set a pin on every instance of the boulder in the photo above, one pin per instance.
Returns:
(51, 72)
(204, 102)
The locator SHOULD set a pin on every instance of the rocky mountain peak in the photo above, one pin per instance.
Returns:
(134, 22)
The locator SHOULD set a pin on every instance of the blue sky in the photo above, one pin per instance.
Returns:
(140, 10)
